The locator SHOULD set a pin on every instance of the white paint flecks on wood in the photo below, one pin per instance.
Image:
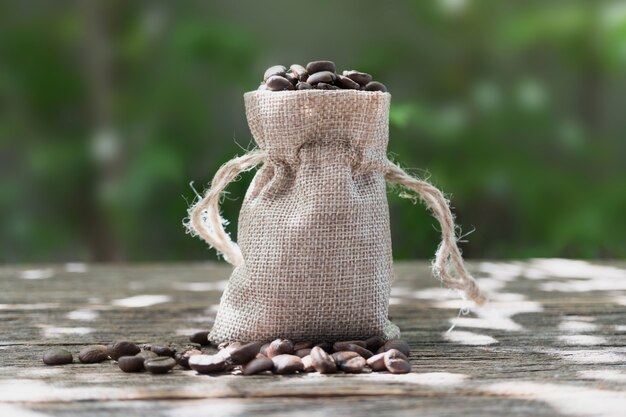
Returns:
(142, 301)
(37, 273)
(201, 286)
(468, 338)
(612, 375)
(84, 314)
(582, 340)
(50, 331)
(76, 267)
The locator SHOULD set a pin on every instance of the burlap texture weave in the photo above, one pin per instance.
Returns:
(314, 225)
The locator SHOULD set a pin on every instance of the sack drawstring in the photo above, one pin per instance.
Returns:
(448, 265)
(205, 219)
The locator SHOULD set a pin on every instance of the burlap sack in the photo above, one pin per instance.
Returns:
(314, 259)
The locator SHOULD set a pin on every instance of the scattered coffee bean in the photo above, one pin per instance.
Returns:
(375, 86)
(280, 347)
(327, 346)
(321, 77)
(130, 363)
(377, 362)
(322, 362)
(396, 363)
(93, 354)
(146, 354)
(358, 349)
(398, 344)
(307, 361)
(360, 78)
(299, 71)
(161, 350)
(303, 352)
(339, 346)
(345, 82)
(160, 365)
(318, 66)
(343, 356)
(353, 365)
(57, 357)
(258, 365)
(182, 358)
(276, 70)
(374, 343)
(200, 337)
(207, 364)
(245, 353)
(122, 348)
(264, 349)
(287, 364)
(277, 83)
(302, 345)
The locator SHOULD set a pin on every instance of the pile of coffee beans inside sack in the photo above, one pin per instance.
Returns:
(280, 356)
(321, 75)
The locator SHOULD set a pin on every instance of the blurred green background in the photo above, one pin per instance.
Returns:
(108, 109)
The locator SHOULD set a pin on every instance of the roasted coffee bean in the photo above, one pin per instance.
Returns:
(360, 78)
(278, 83)
(339, 346)
(280, 347)
(375, 86)
(325, 86)
(130, 363)
(160, 365)
(299, 71)
(374, 343)
(258, 365)
(207, 364)
(314, 67)
(358, 349)
(146, 354)
(354, 365)
(287, 364)
(345, 82)
(263, 87)
(307, 361)
(122, 348)
(321, 77)
(343, 356)
(291, 78)
(322, 361)
(222, 345)
(161, 350)
(264, 349)
(377, 362)
(303, 352)
(327, 346)
(245, 353)
(302, 345)
(303, 86)
(57, 357)
(182, 358)
(200, 337)
(93, 354)
(226, 351)
(396, 362)
(399, 344)
(276, 70)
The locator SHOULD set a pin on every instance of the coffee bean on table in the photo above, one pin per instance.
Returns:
(343, 356)
(57, 357)
(345, 82)
(360, 78)
(182, 358)
(399, 344)
(317, 66)
(93, 354)
(161, 350)
(200, 337)
(278, 83)
(322, 362)
(245, 353)
(264, 348)
(374, 343)
(287, 364)
(258, 365)
(122, 348)
(375, 86)
(206, 364)
(302, 352)
(321, 77)
(302, 345)
(130, 363)
(160, 365)
(146, 354)
(396, 362)
(307, 361)
(377, 362)
(327, 346)
(339, 346)
(358, 349)
(279, 347)
(278, 70)
(354, 365)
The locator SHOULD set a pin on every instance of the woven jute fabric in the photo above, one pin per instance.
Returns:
(314, 255)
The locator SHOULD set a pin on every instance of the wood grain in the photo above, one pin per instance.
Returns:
(551, 341)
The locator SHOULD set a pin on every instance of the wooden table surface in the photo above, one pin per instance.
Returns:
(551, 342)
